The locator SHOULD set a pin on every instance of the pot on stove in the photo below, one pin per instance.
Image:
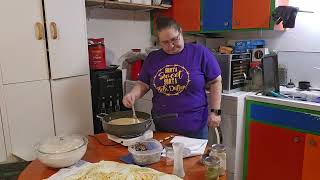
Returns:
(129, 130)
(304, 85)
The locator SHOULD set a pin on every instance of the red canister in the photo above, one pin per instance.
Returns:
(135, 69)
(135, 66)
(97, 54)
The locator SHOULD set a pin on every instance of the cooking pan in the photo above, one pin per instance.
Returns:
(131, 130)
(125, 131)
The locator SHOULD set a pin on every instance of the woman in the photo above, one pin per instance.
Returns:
(178, 74)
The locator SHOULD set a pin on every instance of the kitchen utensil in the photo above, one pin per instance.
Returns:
(290, 84)
(134, 116)
(270, 74)
(125, 131)
(165, 117)
(166, 138)
(61, 151)
(304, 85)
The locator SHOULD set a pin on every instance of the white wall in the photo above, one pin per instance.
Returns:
(298, 48)
(122, 30)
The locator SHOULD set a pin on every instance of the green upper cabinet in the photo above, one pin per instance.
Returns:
(216, 15)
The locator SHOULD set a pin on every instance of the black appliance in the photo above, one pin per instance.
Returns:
(234, 68)
(107, 94)
(270, 74)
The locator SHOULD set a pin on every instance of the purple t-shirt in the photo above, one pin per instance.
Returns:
(178, 84)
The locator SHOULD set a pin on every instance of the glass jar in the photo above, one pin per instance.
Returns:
(219, 150)
(212, 167)
(169, 156)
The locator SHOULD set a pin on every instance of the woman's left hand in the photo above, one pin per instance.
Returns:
(214, 120)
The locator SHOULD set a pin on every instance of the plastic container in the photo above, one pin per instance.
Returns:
(146, 152)
(61, 151)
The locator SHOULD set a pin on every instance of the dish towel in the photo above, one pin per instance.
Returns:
(195, 146)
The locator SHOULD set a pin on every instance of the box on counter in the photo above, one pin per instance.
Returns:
(246, 45)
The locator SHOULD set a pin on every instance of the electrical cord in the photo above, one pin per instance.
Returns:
(101, 142)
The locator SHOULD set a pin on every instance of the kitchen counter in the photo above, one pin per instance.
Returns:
(97, 152)
(285, 102)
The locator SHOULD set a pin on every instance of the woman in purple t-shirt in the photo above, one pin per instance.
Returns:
(178, 74)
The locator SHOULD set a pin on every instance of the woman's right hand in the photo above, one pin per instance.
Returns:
(128, 100)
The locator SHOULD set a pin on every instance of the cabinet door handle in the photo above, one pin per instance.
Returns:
(296, 139)
(312, 143)
(237, 23)
(53, 30)
(39, 30)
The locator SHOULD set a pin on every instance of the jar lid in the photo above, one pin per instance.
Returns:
(211, 161)
(62, 144)
(218, 147)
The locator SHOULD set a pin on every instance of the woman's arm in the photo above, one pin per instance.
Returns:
(215, 87)
(138, 90)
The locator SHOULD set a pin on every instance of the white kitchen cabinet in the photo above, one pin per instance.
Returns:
(30, 118)
(232, 128)
(22, 56)
(45, 77)
(72, 105)
(3, 151)
(67, 38)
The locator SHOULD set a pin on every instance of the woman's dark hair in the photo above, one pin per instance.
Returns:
(164, 22)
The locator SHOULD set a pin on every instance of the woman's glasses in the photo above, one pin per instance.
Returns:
(174, 40)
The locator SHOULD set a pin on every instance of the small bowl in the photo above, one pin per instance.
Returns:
(62, 151)
(146, 152)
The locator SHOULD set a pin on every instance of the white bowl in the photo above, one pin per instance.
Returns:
(62, 151)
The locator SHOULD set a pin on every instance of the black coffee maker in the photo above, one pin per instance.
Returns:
(106, 92)
(270, 74)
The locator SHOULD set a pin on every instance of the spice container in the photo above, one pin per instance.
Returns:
(212, 167)
(219, 150)
(169, 154)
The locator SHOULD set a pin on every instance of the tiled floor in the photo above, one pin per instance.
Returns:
(11, 168)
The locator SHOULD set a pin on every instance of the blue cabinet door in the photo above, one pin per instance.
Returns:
(216, 15)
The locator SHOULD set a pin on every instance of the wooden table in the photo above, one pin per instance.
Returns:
(97, 152)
